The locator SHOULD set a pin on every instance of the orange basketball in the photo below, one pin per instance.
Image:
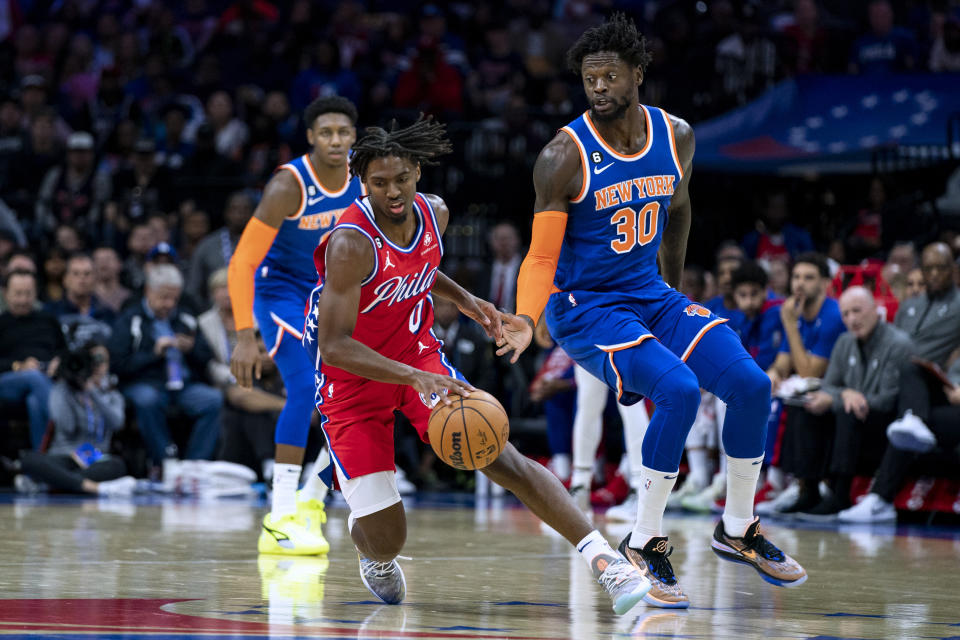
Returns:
(469, 433)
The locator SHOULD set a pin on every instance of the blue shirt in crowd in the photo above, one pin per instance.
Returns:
(819, 334)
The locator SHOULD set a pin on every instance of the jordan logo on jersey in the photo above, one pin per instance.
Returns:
(400, 288)
(386, 263)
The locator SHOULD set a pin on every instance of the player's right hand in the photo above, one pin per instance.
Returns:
(245, 362)
(431, 383)
(517, 334)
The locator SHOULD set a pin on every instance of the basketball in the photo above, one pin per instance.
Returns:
(470, 432)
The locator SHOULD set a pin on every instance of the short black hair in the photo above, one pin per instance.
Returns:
(619, 34)
(79, 255)
(421, 142)
(750, 272)
(329, 104)
(816, 259)
(19, 272)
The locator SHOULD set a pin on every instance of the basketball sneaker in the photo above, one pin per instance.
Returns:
(754, 550)
(653, 561)
(626, 511)
(290, 536)
(311, 513)
(623, 583)
(384, 579)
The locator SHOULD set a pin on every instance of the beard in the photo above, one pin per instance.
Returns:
(619, 111)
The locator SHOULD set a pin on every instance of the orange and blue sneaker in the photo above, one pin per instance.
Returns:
(756, 551)
(653, 561)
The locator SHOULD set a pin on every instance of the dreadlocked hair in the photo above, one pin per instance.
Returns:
(619, 34)
(421, 142)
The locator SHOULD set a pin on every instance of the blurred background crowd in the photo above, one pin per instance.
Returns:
(135, 139)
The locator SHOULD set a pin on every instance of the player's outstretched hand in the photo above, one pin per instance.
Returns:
(431, 383)
(485, 314)
(517, 333)
(245, 364)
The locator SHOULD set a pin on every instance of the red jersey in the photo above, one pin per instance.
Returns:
(395, 316)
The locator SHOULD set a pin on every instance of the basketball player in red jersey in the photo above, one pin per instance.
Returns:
(368, 328)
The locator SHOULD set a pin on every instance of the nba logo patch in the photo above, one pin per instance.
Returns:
(647, 483)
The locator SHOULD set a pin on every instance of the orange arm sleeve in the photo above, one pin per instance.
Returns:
(535, 279)
(252, 248)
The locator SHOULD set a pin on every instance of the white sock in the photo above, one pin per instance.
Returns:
(582, 477)
(594, 546)
(635, 423)
(313, 488)
(742, 475)
(776, 478)
(587, 424)
(286, 477)
(699, 462)
(652, 500)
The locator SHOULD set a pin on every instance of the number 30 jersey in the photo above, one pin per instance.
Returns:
(395, 315)
(615, 223)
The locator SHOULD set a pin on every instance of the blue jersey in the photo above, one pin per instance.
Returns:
(820, 334)
(615, 223)
(291, 256)
(763, 335)
(735, 316)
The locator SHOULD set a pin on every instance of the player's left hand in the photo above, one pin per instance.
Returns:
(484, 314)
(517, 334)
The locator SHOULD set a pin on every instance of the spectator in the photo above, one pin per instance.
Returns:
(860, 389)
(464, 344)
(85, 412)
(106, 277)
(249, 415)
(761, 330)
(811, 323)
(194, 227)
(886, 48)
(74, 192)
(915, 284)
(865, 236)
(29, 343)
(779, 273)
(693, 283)
(139, 243)
(145, 188)
(505, 245)
(231, 133)
(431, 84)
(18, 260)
(160, 360)
(54, 268)
(901, 259)
(80, 305)
(13, 140)
(173, 149)
(215, 250)
(945, 53)
(729, 259)
(807, 46)
(774, 238)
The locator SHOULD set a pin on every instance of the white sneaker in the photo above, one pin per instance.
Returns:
(404, 486)
(686, 490)
(787, 498)
(626, 511)
(911, 434)
(560, 465)
(27, 485)
(580, 494)
(706, 500)
(119, 488)
(871, 509)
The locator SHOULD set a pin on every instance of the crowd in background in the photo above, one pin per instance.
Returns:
(135, 139)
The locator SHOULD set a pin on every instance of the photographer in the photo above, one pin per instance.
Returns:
(85, 412)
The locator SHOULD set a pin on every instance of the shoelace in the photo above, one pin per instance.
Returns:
(379, 570)
(615, 574)
(765, 548)
(660, 566)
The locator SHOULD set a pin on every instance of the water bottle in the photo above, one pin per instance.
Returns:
(174, 369)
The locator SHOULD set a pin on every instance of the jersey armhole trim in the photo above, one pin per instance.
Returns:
(673, 143)
(584, 167)
(433, 219)
(303, 191)
(376, 257)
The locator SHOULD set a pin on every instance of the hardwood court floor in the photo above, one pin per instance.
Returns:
(168, 570)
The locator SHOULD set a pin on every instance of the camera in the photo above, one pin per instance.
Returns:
(78, 365)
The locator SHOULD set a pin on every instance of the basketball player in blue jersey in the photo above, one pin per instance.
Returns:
(612, 198)
(270, 277)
